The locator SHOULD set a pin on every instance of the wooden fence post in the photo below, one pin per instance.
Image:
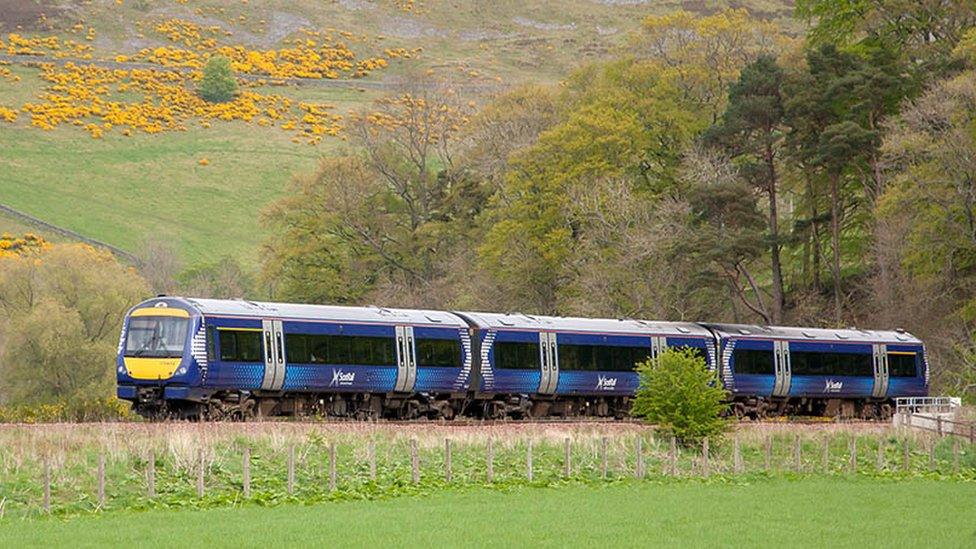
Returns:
(101, 479)
(880, 465)
(528, 460)
(674, 456)
(291, 470)
(640, 457)
(47, 485)
(736, 456)
(955, 455)
(246, 469)
(826, 454)
(567, 460)
(414, 461)
(853, 453)
(490, 461)
(200, 473)
(447, 460)
(938, 425)
(603, 457)
(797, 454)
(151, 475)
(769, 453)
(333, 458)
(905, 463)
(932, 455)
(371, 451)
(972, 433)
(705, 457)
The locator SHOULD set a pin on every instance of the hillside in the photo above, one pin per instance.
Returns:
(201, 184)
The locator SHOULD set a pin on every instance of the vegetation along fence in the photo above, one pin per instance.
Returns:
(69, 473)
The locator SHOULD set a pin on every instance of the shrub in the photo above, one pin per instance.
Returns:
(218, 84)
(681, 395)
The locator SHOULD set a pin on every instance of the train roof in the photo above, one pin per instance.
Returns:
(296, 311)
(520, 321)
(814, 334)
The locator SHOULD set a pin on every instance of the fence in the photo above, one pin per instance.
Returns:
(940, 425)
(324, 470)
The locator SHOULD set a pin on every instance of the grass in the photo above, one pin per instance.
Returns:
(73, 451)
(834, 512)
(124, 190)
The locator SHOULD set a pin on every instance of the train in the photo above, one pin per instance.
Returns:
(213, 359)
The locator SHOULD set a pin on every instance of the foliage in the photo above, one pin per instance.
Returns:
(681, 395)
(702, 55)
(752, 131)
(922, 32)
(218, 84)
(13, 246)
(383, 220)
(62, 308)
(75, 409)
(224, 279)
(930, 150)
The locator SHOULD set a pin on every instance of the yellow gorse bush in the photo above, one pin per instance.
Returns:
(16, 44)
(312, 55)
(87, 96)
(19, 246)
(83, 95)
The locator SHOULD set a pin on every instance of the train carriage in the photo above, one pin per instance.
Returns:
(780, 370)
(206, 357)
(555, 366)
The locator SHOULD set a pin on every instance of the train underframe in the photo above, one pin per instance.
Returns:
(244, 405)
(756, 407)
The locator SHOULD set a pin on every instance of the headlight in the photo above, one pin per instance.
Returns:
(181, 371)
(121, 369)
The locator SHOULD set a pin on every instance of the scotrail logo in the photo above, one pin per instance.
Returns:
(832, 386)
(606, 383)
(341, 379)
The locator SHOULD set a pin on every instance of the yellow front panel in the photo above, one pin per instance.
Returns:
(151, 368)
(161, 311)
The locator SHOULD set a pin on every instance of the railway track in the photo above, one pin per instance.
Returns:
(563, 422)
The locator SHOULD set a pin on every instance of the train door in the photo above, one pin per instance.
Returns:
(782, 368)
(406, 360)
(880, 352)
(274, 355)
(549, 358)
(659, 344)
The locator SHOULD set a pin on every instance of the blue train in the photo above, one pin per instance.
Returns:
(214, 359)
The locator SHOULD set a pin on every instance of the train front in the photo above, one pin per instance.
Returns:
(156, 363)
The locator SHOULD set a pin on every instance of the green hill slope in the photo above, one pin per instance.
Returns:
(125, 190)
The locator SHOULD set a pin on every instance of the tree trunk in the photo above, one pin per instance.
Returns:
(835, 241)
(815, 228)
(776, 309)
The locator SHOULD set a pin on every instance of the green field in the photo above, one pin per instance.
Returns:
(836, 512)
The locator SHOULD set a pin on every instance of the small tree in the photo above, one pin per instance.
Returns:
(218, 84)
(681, 395)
